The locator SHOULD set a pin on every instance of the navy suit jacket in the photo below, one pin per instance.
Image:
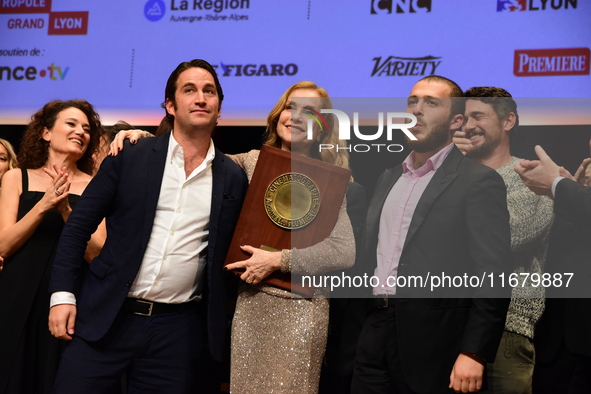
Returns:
(125, 191)
(460, 226)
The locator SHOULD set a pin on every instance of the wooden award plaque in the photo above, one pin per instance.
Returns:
(292, 201)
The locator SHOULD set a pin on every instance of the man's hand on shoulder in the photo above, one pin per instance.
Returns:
(466, 375)
(62, 319)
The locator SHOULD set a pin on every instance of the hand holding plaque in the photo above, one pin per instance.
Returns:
(259, 266)
(292, 201)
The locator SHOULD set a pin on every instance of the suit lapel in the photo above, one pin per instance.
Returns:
(376, 206)
(217, 197)
(156, 164)
(389, 180)
(442, 178)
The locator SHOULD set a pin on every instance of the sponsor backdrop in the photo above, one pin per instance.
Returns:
(118, 54)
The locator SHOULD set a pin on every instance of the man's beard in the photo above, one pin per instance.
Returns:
(486, 148)
(481, 152)
(437, 138)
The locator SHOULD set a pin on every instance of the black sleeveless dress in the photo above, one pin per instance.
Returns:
(29, 354)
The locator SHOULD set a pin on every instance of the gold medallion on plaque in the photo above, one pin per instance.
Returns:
(292, 201)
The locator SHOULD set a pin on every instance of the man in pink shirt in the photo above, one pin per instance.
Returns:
(436, 218)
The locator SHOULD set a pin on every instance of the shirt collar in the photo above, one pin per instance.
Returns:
(432, 164)
(175, 149)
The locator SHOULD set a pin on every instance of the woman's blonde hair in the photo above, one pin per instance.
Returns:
(338, 157)
(12, 162)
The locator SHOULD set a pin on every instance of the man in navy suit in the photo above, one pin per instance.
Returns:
(437, 214)
(155, 297)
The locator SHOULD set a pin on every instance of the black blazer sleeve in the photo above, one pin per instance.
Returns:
(573, 202)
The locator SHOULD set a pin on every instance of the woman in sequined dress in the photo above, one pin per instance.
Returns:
(279, 339)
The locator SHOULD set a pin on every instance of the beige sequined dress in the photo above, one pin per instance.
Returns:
(278, 341)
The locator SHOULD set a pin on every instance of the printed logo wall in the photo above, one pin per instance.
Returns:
(546, 62)
(154, 10)
(197, 10)
(30, 73)
(364, 48)
(551, 62)
(394, 66)
(535, 5)
(400, 6)
(256, 70)
(58, 23)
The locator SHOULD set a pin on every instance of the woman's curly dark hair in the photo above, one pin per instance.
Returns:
(34, 150)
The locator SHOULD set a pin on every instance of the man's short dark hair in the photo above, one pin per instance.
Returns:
(171, 84)
(458, 106)
(498, 98)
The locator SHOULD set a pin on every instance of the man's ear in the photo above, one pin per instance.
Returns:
(509, 121)
(170, 107)
(456, 122)
(46, 135)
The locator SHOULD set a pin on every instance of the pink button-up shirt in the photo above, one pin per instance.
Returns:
(397, 213)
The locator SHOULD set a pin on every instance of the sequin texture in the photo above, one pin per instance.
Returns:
(279, 339)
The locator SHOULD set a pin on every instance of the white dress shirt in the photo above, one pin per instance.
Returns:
(173, 264)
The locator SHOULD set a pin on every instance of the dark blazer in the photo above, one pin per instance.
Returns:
(460, 226)
(573, 204)
(126, 191)
(567, 318)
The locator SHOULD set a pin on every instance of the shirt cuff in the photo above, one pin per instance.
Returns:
(62, 297)
(556, 180)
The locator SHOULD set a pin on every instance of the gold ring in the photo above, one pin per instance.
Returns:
(249, 281)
